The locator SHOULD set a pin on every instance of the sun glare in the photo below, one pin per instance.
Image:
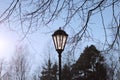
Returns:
(3, 45)
(8, 40)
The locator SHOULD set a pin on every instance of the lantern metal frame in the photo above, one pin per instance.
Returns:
(59, 39)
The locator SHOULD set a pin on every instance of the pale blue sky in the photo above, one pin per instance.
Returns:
(40, 42)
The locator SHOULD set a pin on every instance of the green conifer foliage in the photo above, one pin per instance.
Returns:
(89, 66)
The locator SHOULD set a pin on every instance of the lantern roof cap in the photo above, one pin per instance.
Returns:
(60, 32)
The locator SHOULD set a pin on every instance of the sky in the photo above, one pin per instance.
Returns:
(39, 43)
(36, 42)
(8, 40)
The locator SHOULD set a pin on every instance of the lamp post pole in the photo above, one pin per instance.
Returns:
(59, 55)
(59, 39)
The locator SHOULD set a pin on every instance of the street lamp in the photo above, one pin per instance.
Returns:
(59, 39)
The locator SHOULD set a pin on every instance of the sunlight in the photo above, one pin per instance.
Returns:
(8, 41)
(3, 45)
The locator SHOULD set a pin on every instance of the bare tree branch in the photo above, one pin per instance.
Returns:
(36, 13)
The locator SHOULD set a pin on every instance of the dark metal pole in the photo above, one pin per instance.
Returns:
(59, 66)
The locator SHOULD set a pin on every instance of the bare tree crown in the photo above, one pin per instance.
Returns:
(33, 14)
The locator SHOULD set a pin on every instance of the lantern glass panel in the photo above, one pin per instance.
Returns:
(59, 38)
(55, 41)
(59, 41)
